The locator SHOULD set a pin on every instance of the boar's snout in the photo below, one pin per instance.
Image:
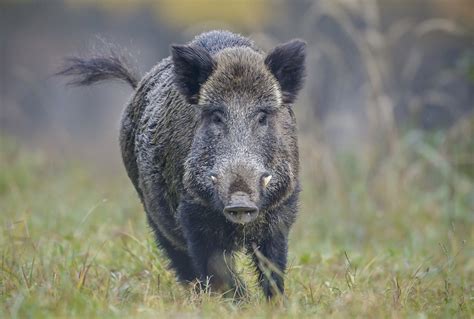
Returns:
(241, 209)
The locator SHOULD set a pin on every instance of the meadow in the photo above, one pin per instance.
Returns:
(375, 238)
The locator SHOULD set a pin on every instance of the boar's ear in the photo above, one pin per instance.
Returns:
(192, 67)
(286, 62)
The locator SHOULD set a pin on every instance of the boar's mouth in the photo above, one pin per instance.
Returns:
(240, 210)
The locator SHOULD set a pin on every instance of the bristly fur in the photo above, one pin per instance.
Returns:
(286, 62)
(87, 71)
(217, 107)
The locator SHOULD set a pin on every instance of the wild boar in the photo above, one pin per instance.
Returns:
(209, 142)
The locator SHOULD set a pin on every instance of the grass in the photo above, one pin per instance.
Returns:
(395, 241)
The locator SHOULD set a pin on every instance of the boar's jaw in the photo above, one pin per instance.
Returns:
(240, 209)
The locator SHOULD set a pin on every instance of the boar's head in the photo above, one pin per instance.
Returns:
(244, 157)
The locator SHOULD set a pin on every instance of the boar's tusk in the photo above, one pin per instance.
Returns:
(266, 180)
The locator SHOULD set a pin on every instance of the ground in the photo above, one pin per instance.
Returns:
(75, 244)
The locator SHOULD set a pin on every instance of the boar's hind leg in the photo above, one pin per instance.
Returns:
(216, 269)
(212, 260)
(213, 264)
(180, 261)
(269, 257)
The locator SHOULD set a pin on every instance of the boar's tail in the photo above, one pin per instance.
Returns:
(87, 71)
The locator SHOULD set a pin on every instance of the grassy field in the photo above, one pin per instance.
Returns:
(391, 241)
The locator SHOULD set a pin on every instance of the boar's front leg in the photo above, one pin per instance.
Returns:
(270, 257)
(212, 260)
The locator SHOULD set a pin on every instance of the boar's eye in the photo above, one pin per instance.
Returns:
(216, 118)
(262, 118)
(213, 114)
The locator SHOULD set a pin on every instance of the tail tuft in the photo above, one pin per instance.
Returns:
(87, 71)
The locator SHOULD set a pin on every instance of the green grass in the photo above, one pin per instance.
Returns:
(395, 241)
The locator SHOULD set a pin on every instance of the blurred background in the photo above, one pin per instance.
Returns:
(376, 69)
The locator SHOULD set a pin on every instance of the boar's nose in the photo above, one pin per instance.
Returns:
(241, 209)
